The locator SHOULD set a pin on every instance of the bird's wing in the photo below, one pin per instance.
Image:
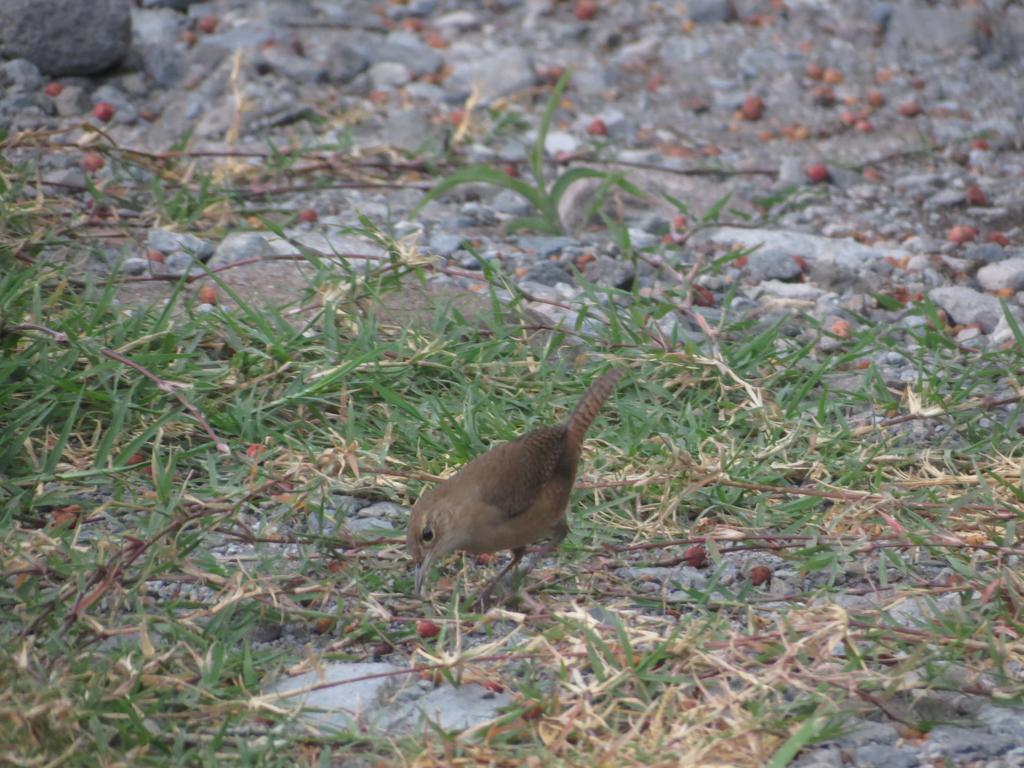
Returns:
(523, 466)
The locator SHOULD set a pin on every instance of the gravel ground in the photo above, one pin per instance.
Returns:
(893, 133)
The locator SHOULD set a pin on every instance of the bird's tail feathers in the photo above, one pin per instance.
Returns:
(591, 402)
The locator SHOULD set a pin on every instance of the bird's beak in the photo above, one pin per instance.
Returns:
(422, 569)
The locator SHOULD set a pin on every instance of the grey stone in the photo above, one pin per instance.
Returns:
(155, 34)
(654, 224)
(284, 61)
(1004, 721)
(508, 202)
(640, 238)
(240, 246)
(66, 37)
(611, 272)
(414, 9)
(498, 74)
(678, 578)
(845, 258)
(946, 198)
(560, 143)
(772, 264)
(65, 177)
(386, 698)
(407, 129)
(791, 291)
(547, 273)
(963, 744)
(638, 52)
(1008, 273)
(869, 731)
(985, 252)
(545, 246)
(966, 305)
(349, 505)
(932, 28)
(180, 263)
(23, 111)
(367, 525)
(134, 265)
(407, 49)
(477, 215)
(176, 5)
(460, 21)
(884, 755)
(20, 75)
(344, 63)
(918, 183)
(389, 74)
(444, 244)
(711, 11)
(385, 510)
(166, 241)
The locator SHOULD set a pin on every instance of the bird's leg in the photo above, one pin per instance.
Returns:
(557, 536)
(483, 601)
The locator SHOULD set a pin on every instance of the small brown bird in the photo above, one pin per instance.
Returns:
(511, 496)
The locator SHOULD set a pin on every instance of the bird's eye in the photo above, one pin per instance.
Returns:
(427, 534)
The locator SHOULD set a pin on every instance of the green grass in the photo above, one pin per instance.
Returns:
(112, 488)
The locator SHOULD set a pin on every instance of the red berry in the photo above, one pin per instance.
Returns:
(696, 556)
(760, 574)
(753, 108)
(817, 173)
(208, 24)
(597, 127)
(92, 161)
(208, 294)
(910, 108)
(104, 111)
(308, 215)
(426, 628)
(702, 296)
(586, 10)
(53, 90)
(961, 234)
(976, 196)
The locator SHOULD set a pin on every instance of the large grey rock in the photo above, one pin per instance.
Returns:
(1008, 273)
(711, 11)
(772, 264)
(498, 74)
(66, 37)
(386, 698)
(177, 5)
(840, 263)
(605, 270)
(922, 26)
(966, 305)
(241, 246)
(155, 36)
(407, 49)
(20, 75)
